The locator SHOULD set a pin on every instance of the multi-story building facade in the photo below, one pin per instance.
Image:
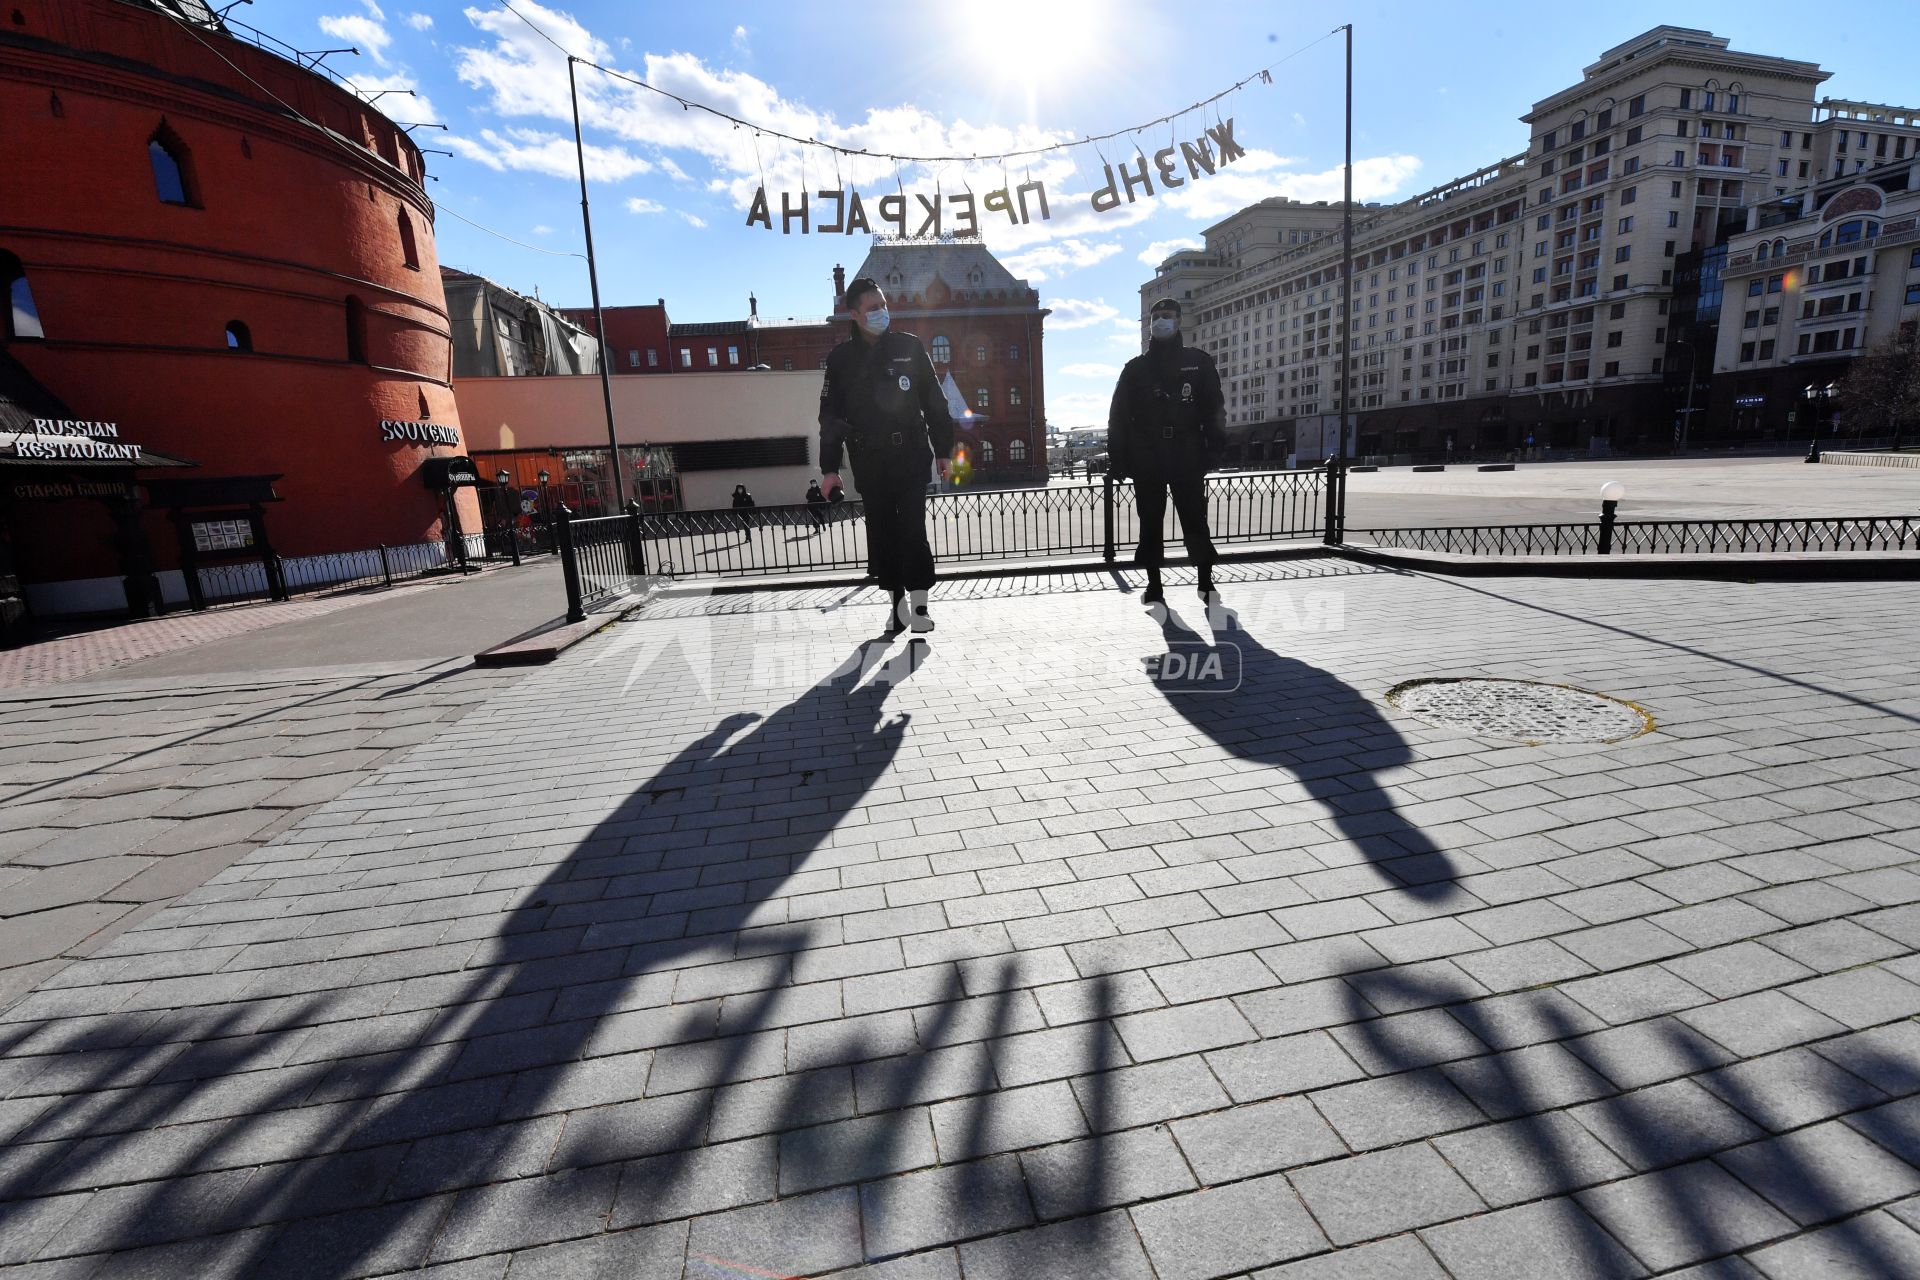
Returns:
(984, 329)
(1528, 303)
(636, 336)
(1818, 277)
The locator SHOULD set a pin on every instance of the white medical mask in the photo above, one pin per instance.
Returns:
(875, 321)
(1163, 327)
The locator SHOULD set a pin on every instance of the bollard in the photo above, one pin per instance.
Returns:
(1606, 526)
(1106, 516)
(636, 548)
(1335, 490)
(569, 562)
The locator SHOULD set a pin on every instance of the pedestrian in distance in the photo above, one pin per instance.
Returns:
(1166, 430)
(882, 406)
(743, 502)
(816, 503)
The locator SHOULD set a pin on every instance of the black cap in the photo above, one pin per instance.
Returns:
(1165, 304)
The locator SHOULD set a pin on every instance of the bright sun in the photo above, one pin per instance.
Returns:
(1030, 44)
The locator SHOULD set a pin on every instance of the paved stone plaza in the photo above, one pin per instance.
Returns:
(738, 943)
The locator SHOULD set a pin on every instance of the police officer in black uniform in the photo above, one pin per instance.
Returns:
(882, 402)
(1167, 428)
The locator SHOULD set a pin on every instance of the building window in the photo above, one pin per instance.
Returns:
(653, 358)
(982, 398)
(356, 331)
(172, 168)
(633, 357)
(1013, 353)
(686, 358)
(1017, 450)
(1013, 397)
(713, 357)
(733, 355)
(409, 252)
(942, 349)
(980, 354)
(239, 337)
(986, 452)
(23, 317)
(787, 363)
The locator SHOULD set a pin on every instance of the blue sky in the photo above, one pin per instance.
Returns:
(1438, 92)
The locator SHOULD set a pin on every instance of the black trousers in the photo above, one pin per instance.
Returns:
(893, 484)
(1189, 502)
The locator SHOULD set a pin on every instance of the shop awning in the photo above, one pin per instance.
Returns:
(26, 439)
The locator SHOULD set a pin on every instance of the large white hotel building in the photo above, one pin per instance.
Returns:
(1557, 297)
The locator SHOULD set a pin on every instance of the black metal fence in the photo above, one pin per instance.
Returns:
(1097, 517)
(1658, 537)
(335, 571)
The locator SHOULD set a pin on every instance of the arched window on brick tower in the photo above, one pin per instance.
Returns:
(22, 316)
(409, 252)
(356, 330)
(172, 167)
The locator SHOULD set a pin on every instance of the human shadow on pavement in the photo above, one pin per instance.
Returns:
(1278, 711)
(559, 1078)
(1657, 1132)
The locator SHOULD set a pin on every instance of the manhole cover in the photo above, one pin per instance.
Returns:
(1521, 709)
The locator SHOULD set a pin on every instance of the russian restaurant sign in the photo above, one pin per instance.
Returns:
(428, 433)
(64, 439)
(849, 212)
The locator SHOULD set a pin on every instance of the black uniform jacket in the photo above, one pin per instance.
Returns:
(1168, 416)
(874, 391)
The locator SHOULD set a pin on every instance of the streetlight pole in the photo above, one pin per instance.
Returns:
(1346, 267)
(593, 281)
(1686, 414)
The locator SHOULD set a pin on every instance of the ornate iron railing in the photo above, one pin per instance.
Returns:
(1658, 537)
(334, 571)
(1061, 520)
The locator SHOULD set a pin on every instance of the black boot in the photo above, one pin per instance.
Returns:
(896, 621)
(1155, 592)
(1206, 582)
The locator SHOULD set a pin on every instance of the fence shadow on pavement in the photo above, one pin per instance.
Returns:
(1670, 1142)
(561, 1076)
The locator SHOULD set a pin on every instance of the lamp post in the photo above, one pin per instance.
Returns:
(546, 507)
(505, 478)
(1610, 495)
(1686, 414)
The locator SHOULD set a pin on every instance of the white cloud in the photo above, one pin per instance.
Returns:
(550, 153)
(368, 34)
(1157, 252)
(543, 230)
(1051, 260)
(1299, 119)
(1131, 341)
(519, 74)
(420, 21)
(1078, 408)
(1260, 174)
(640, 204)
(1090, 370)
(1072, 313)
(693, 219)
